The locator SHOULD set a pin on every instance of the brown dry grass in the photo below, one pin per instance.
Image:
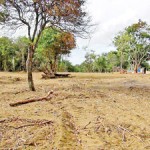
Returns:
(89, 112)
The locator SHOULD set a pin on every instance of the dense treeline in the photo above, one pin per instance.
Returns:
(107, 62)
(133, 51)
(13, 56)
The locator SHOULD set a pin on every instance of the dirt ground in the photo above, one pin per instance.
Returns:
(87, 112)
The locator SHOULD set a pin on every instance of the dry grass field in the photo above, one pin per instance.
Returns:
(87, 112)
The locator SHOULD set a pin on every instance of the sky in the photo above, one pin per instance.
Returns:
(111, 17)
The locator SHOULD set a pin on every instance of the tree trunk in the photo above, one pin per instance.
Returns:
(121, 61)
(136, 69)
(5, 64)
(55, 64)
(51, 71)
(23, 63)
(29, 68)
(13, 63)
(1, 65)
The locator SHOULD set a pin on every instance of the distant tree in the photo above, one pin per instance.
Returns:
(22, 44)
(139, 43)
(36, 15)
(6, 54)
(77, 68)
(88, 64)
(145, 64)
(101, 63)
(121, 41)
(65, 65)
(134, 43)
(112, 60)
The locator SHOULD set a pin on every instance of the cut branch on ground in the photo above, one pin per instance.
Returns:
(49, 96)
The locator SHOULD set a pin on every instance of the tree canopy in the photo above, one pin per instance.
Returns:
(134, 42)
(54, 43)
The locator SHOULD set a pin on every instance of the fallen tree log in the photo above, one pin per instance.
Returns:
(62, 75)
(54, 75)
(49, 96)
(48, 76)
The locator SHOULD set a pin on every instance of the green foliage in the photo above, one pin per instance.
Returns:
(145, 64)
(54, 43)
(99, 63)
(13, 54)
(6, 54)
(112, 60)
(133, 44)
(65, 66)
(88, 64)
(22, 44)
(122, 43)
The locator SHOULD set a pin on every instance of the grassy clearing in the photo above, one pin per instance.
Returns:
(89, 111)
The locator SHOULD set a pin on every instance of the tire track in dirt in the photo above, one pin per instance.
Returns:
(70, 138)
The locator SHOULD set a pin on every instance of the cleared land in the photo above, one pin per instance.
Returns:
(88, 112)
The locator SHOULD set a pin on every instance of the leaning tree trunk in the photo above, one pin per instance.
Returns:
(29, 68)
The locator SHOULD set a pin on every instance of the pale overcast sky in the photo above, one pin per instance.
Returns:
(111, 16)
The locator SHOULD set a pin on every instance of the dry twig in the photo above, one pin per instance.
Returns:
(126, 130)
(32, 124)
(87, 125)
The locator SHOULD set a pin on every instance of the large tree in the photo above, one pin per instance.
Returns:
(52, 45)
(36, 15)
(121, 41)
(139, 44)
(88, 64)
(134, 42)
